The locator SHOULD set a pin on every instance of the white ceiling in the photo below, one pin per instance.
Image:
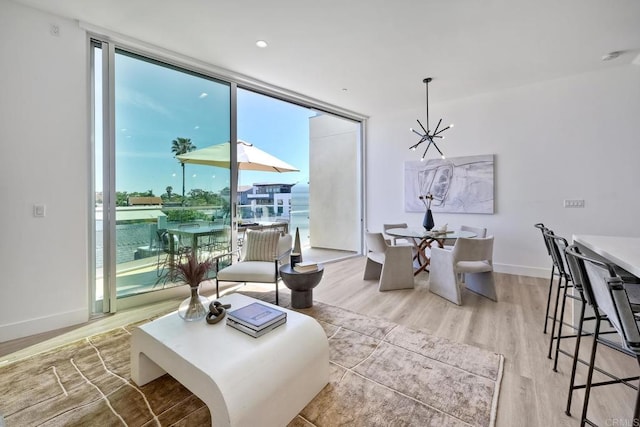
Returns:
(379, 50)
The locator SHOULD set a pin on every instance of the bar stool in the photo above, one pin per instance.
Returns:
(606, 293)
(540, 226)
(556, 245)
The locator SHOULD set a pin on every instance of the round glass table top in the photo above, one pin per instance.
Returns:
(421, 233)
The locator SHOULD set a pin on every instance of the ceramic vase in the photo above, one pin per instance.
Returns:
(427, 222)
(195, 307)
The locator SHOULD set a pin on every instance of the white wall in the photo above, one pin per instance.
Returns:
(45, 152)
(334, 184)
(572, 138)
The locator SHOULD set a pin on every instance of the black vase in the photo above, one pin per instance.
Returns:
(427, 222)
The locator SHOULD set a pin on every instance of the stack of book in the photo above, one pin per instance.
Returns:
(307, 266)
(256, 319)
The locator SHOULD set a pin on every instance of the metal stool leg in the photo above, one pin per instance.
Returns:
(636, 411)
(592, 359)
(555, 317)
(574, 365)
(560, 325)
(546, 315)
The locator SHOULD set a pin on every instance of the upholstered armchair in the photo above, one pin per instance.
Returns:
(390, 265)
(472, 258)
(260, 258)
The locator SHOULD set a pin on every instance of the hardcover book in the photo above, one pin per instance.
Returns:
(302, 267)
(256, 316)
(255, 333)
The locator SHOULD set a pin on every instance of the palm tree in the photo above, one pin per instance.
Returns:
(181, 146)
(169, 191)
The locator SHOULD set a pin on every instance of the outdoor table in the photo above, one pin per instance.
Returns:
(193, 233)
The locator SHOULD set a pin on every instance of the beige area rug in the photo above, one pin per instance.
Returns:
(382, 374)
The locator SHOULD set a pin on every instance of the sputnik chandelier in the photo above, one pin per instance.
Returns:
(428, 136)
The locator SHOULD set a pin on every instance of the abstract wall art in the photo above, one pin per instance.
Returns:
(458, 185)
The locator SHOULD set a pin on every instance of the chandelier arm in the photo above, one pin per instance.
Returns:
(425, 131)
(417, 133)
(441, 130)
(441, 155)
(425, 151)
(423, 139)
(435, 131)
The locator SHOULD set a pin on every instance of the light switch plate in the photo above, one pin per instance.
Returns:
(39, 211)
(574, 203)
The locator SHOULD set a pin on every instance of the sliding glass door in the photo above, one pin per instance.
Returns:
(159, 111)
(151, 118)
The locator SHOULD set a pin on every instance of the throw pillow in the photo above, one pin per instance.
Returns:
(261, 245)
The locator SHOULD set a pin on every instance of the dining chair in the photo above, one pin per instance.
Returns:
(166, 254)
(391, 265)
(393, 239)
(472, 257)
(478, 231)
(607, 294)
(220, 239)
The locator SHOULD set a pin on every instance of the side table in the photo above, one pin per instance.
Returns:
(301, 284)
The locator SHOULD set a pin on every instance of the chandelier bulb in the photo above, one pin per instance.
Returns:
(443, 158)
(451, 125)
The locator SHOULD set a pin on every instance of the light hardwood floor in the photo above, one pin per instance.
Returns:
(531, 393)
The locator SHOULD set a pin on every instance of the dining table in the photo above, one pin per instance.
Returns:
(422, 240)
(620, 250)
(192, 233)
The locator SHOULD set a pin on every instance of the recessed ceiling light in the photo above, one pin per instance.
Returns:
(261, 43)
(344, 89)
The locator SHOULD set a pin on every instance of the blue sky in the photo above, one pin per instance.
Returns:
(156, 104)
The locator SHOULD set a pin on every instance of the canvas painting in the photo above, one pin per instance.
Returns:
(458, 185)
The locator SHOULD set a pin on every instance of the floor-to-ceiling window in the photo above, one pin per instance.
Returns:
(147, 112)
(159, 111)
(324, 148)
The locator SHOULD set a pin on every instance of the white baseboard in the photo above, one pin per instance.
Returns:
(38, 325)
(522, 270)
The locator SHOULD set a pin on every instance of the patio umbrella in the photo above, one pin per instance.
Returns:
(250, 158)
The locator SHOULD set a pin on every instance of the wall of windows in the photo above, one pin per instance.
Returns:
(148, 111)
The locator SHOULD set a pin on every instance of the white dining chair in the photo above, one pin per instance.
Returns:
(391, 265)
(393, 239)
(472, 257)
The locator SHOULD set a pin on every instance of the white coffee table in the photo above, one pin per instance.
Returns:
(244, 381)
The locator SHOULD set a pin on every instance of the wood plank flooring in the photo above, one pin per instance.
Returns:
(531, 393)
